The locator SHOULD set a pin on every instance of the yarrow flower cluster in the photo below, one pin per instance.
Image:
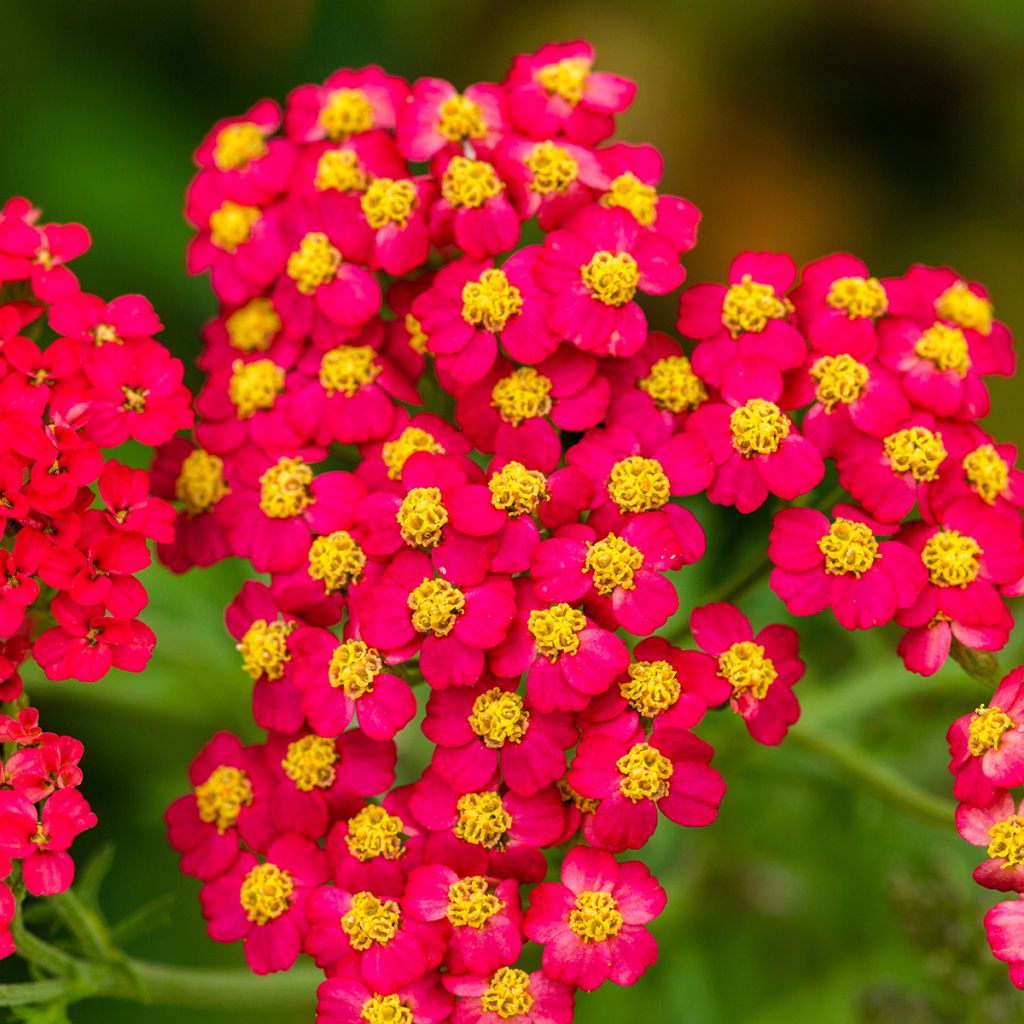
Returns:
(78, 375)
(464, 465)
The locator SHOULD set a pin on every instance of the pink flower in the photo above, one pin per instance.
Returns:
(39, 254)
(593, 268)
(982, 472)
(510, 994)
(592, 923)
(1004, 928)
(264, 902)
(999, 827)
(39, 771)
(348, 103)
(367, 849)
(986, 746)
(842, 565)
(439, 119)
(344, 998)
(556, 91)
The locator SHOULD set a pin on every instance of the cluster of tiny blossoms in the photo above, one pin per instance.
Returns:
(74, 524)
(515, 549)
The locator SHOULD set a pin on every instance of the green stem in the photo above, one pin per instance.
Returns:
(882, 780)
(86, 926)
(32, 993)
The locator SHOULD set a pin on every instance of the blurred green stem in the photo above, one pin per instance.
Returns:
(980, 665)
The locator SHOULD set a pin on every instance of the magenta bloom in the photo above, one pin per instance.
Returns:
(593, 268)
(485, 917)
(41, 842)
(477, 730)
(39, 254)
(89, 319)
(748, 319)
(344, 998)
(264, 902)
(981, 471)
(842, 565)
(592, 923)
(439, 119)
(510, 994)
(348, 103)
(999, 827)
(555, 91)
(390, 947)
(1004, 928)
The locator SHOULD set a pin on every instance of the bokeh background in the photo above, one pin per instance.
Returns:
(892, 130)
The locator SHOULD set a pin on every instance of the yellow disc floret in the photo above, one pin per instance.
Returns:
(252, 327)
(370, 920)
(417, 336)
(200, 483)
(347, 368)
(986, 728)
(524, 394)
(339, 170)
(336, 559)
(745, 666)
(673, 386)
(507, 994)
(460, 118)
(374, 833)
(646, 773)
(266, 893)
(254, 386)
(231, 225)
(491, 301)
(413, 439)
(310, 762)
(987, 472)
(638, 484)
(849, 547)
(630, 193)
(469, 183)
(238, 145)
(758, 428)
(595, 916)
(951, 558)
(556, 630)
(650, 687)
(839, 380)
(353, 668)
(859, 297)
(612, 561)
(284, 488)
(314, 263)
(915, 450)
(611, 277)
(436, 605)
(566, 78)
(389, 201)
(1007, 841)
(552, 168)
(498, 717)
(390, 1009)
(945, 347)
(264, 648)
(518, 490)
(422, 516)
(220, 799)
(749, 306)
(346, 112)
(963, 307)
(483, 820)
(471, 904)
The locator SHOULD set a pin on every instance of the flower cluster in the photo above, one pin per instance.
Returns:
(464, 465)
(78, 375)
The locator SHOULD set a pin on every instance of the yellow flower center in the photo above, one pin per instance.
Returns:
(1007, 842)
(673, 386)
(637, 484)
(960, 305)
(746, 668)
(508, 993)
(524, 394)
(310, 763)
(354, 666)
(839, 380)
(471, 904)
(264, 648)
(585, 805)
(380, 1009)
(552, 168)
(987, 472)
(222, 796)
(435, 605)
(336, 559)
(231, 225)
(469, 183)
(595, 916)
(422, 516)
(134, 399)
(370, 920)
(491, 301)
(374, 833)
(266, 893)
(758, 428)
(498, 717)
(460, 118)
(389, 201)
(284, 489)
(417, 336)
(629, 192)
(611, 277)
(413, 439)
(254, 386)
(517, 489)
(238, 145)
(986, 729)
(105, 334)
(917, 451)
(346, 112)
(483, 820)
(200, 484)
(749, 305)
(646, 773)
(566, 78)
(859, 297)
(556, 630)
(849, 547)
(612, 561)
(945, 347)
(252, 327)
(650, 687)
(348, 368)
(951, 558)
(339, 170)
(314, 263)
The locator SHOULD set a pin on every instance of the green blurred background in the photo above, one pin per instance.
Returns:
(893, 130)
